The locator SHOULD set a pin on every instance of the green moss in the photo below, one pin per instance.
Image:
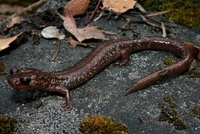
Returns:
(99, 124)
(188, 12)
(2, 68)
(169, 100)
(169, 114)
(196, 111)
(193, 74)
(169, 61)
(8, 125)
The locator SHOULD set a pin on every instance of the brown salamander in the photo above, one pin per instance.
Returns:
(104, 54)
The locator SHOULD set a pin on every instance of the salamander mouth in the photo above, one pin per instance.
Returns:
(9, 79)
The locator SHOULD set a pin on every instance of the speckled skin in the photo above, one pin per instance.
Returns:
(104, 54)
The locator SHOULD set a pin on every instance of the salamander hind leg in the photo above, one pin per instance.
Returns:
(123, 59)
(68, 101)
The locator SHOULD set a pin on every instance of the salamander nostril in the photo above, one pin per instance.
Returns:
(13, 71)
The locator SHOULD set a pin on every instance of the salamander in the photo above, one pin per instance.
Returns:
(116, 51)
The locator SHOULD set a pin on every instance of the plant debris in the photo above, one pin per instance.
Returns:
(99, 124)
(2, 68)
(169, 61)
(193, 74)
(4, 43)
(118, 6)
(8, 125)
(73, 43)
(187, 13)
(22, 11)
(15, 20)
(170, 115)
(76, 7)
(196, 111)
(82, 34)
(52, 32)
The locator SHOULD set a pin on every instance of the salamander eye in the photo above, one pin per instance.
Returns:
(25, 80)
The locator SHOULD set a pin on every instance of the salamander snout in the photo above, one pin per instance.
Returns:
(24, 78)
(13, 71)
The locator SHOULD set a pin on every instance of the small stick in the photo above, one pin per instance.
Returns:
(140, 7)
(95, 10)
(57, 51)
(163, 29)
(160, 13)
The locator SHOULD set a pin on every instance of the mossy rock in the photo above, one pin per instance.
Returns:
(188, 13)
(99, 124)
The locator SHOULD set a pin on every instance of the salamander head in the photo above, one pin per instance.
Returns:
(24, 78)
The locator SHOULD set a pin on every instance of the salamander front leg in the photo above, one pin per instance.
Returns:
(68, 100)
(37, 94)
(123, 59)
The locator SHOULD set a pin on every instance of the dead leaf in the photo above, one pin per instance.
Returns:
(52, 32)
(77, 7)
(192, 65)
(4, 43)
(119, 6)
(8, 8)
(81, 34)
(73, 43)
(90, 32)
(15, 20)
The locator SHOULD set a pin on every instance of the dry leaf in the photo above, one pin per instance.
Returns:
(73, 43)
(9, 8)
(4, 43)
(89, 32)
(77, 7)
(119, 6)
(15, 20)
(82, 33)
(193, 64)
(52, 32)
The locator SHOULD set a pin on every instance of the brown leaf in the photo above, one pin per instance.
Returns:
(69, 22)
(73, 43)
(4, 43)
(193, 64)
(77, 7)
(15, 20)
(90, 32)
(119, 6)
(82, 33)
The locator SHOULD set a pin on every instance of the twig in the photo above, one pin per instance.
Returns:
(125, 25)
(101, 13)
(160, 13)
(57, 51)
(95, 10)
(29, 8)
(140, 7)
(153, 22)
(163, 29)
